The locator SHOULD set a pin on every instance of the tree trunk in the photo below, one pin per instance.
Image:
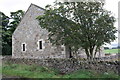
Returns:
(87, 53)
(68, 52)
(95, 51)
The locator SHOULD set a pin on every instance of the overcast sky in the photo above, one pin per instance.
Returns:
(7, 6)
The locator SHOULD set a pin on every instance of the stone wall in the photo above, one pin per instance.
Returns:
(29, 33)
(70, 65)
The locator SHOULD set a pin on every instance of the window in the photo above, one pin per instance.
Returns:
(40, 44)
(23, 47)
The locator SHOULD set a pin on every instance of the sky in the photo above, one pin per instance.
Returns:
(7, 6)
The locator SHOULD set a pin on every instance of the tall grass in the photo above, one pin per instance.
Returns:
(34, 71)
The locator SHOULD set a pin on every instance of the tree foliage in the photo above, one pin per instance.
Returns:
(4, 20)
(79, 24)
(7, 26)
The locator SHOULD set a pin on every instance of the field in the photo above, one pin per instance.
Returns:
(111, 51)
(33, 71)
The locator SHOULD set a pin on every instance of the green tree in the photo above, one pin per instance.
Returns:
(79, 24)
(8, 25)
(15, 18)
(4, 21)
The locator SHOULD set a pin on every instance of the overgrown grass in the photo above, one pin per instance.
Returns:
(33, 71)
(0, 69)
(111, 51)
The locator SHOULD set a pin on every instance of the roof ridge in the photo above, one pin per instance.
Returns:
(37, 6)
(25, 14)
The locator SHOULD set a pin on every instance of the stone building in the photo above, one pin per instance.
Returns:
(29, 40)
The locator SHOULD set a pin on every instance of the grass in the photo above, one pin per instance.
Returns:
(111, 51)
(33, 71)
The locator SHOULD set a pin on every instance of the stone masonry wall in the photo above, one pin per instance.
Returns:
(29, 32)
(69, 65)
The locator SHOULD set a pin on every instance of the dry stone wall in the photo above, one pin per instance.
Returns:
(69, 65)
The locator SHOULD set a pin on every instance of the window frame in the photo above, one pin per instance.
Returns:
(22, 47)
(38, 44)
